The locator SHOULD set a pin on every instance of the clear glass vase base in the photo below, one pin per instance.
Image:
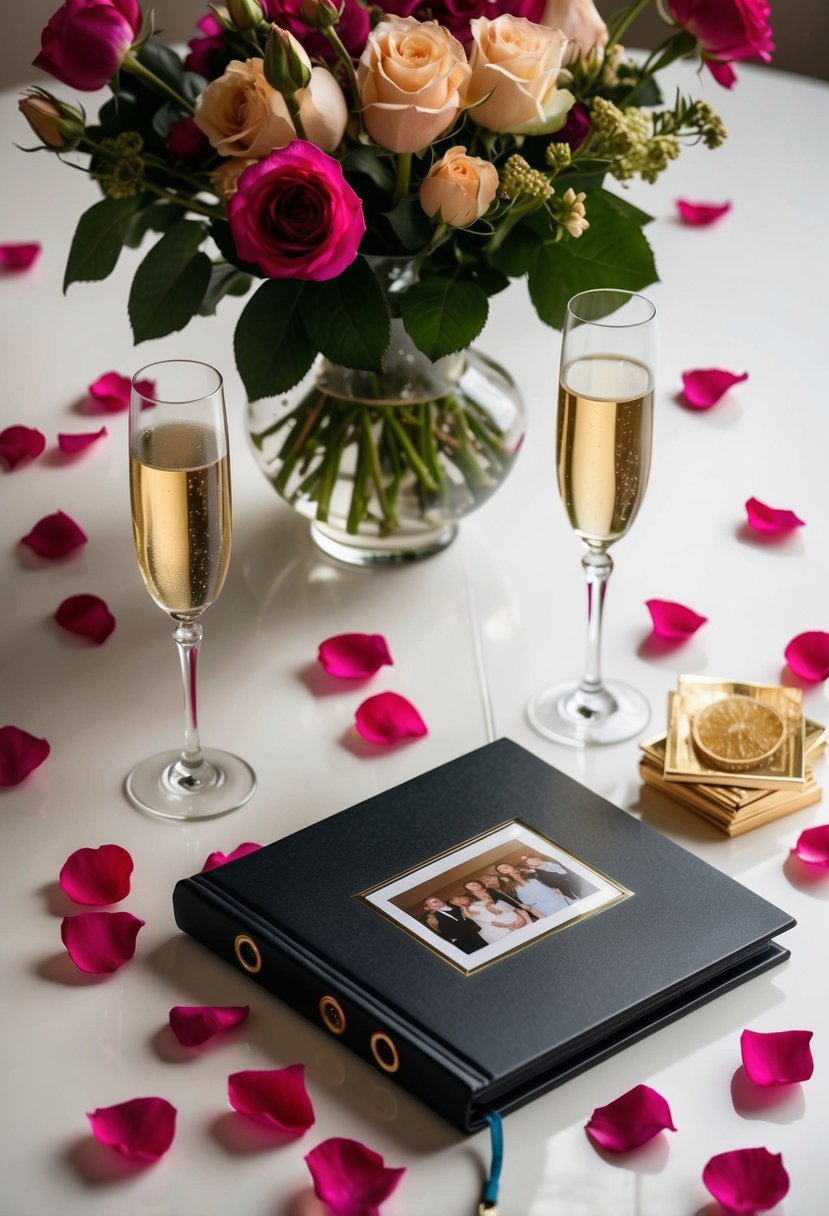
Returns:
(554, 712)
(155, 786)
(362, 550)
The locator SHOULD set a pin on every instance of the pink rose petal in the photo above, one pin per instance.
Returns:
(387, 718)
(276, 1096)
(100, 942)
(350, 1178)
(704, 386)
(141, 1127)
(780, 1058)
(813, 846)
(20, 754)
(771, 519)
(354, 656)
(110, 393)
(671, 620)
(220, 859)
(195, 1024)
(19, 255)
(723, 73)
(87, 615)
(54, 536)
(808, 655)
(97, 876)
(699, 215)
(19, 443)
(80, 442)
(747, 1179)
(630, 1121)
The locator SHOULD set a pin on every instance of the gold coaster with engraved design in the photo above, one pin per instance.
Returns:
(737, 733)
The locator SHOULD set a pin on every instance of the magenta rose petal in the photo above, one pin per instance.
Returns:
(100, 942)
(723, 73)
(20, 754)
(630, 1121)
(196, 1024)
(80, 442)
(747, 1179)
(781, 1058)
(351, 1178)
(142, 1127)
(19, 255)
(220, 859)
(276, 1096)
(19, 443)
(700, 215)
(87, 615)
(97, 876)
(812, 846)
(704, 386)
(808, 655)
(354, 656)
(671, 620)
(772, 520)
(388, 718)
(55, 536)
(111, 392)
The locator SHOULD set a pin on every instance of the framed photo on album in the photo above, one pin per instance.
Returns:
(405, 926)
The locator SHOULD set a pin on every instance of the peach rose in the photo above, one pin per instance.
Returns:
(225, 179)
(243, 116)
(411, 76)
(579, 21)
(458, 188)
(515, 65)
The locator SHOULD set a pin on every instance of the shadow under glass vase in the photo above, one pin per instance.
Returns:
(384, 465)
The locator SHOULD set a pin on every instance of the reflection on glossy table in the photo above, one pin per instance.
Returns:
(473, 633)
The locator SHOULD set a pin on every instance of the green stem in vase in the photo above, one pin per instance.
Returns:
(464, 457)
(376, 471)
(331, 465)
(359, 492)
(393, 452)
(410, 452)
(430, 451)
(294, 445)
(491, 450)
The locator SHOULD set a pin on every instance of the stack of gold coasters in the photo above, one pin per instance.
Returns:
(737, 754)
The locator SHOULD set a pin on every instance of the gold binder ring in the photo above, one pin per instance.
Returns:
(247, 952)
(332, 1014)
(384, 1051)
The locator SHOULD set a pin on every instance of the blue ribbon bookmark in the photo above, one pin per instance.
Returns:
(489, 1199)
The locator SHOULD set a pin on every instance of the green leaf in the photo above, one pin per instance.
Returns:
(273, 350)
(225, 280)
(170, 283)
(376, 165)
(612, 252)
(98, 240)
(444, 315)
(514, 256)
(157, 217)
(490, 280)
(347, 318)
(626, 209)
(410, 224)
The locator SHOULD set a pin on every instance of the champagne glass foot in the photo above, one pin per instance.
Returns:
(160, 786)
(564, 714)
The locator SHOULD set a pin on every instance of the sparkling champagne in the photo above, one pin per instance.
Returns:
(180, 489)
(605, 418)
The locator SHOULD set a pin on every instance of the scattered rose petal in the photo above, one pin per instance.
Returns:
(100, 942)
(388, 717)
(111, 392)
(141, 1127)
(220, 859)
(704, 386)
(54, 536)
(19, 443)
(350, 1178)
(354, 656)
(195, 1024)
(97, 876)
(276, 1096)
(80, 442)
(699, 215)
(20, 754)
(87, 615)
(813, 846)
(672, 620)
(630, 1121)
(723, 73)
(780, 1058)
(808, 655)
(19, 255)
(771, 519)
(747, 1179)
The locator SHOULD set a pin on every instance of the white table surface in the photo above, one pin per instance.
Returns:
(473, 633)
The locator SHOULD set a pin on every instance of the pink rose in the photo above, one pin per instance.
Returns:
(727, 30)
(85, 42)
(352, 27)
(295, 216)
(208, 54)
(579, 21)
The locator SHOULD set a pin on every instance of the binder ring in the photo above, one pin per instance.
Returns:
(384, 1051)
(332, 1014)
(247, 952)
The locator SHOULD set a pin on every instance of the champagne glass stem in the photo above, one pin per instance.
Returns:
(591, 698)
(187, 637)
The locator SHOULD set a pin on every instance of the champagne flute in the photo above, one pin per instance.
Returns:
(181, 520)
(603, 454)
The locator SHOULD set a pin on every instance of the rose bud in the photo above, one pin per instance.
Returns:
(458, 188)
(245, 14)
(321, 14)
(287, 66)
(57, 124)
(187, 142)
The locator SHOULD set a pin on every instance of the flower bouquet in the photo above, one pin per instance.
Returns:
(370, 178)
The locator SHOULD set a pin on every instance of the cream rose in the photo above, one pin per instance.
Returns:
(515, 65)
(579, 21)
(243, 116)
(458, 188)
(225, 179)
(411, 76)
